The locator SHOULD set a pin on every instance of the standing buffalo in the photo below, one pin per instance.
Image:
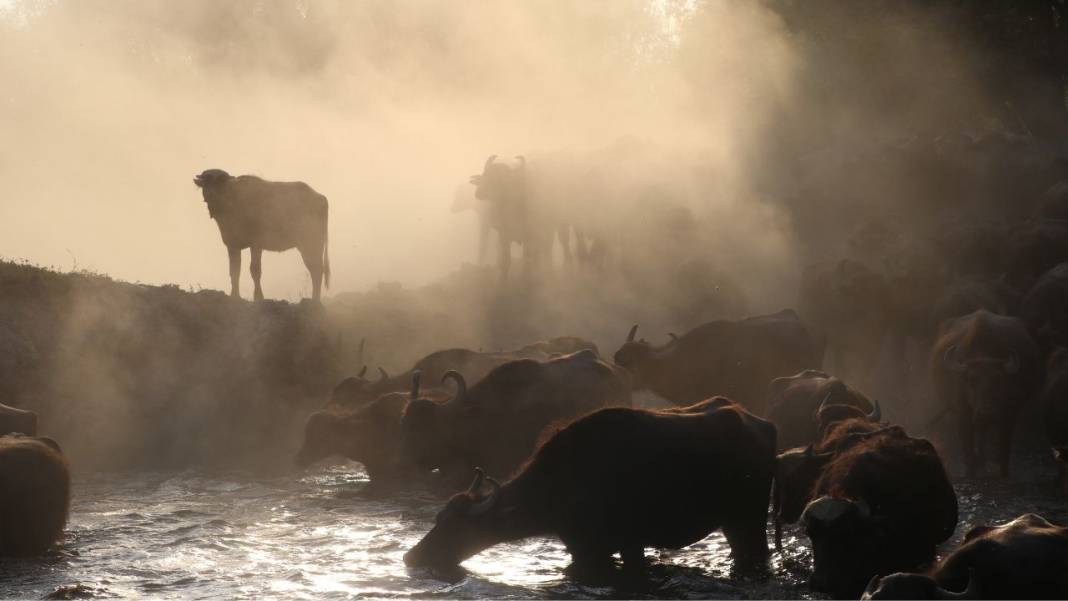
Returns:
(620, 480)
(967, 295)
(496, 423)
(883, 504)
(796, 400)
(737, 359)
(1026, 558)
(510, 211)
(20, 421)
(34, 494)
(261, 215)
(986, 367)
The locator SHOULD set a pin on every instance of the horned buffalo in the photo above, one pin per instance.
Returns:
(510, 210)
(620, 480)
(795, 401)
(369, 434)
(881, 505)
(737, 359)
(986, 367)
(1026, 558)
(20, 421)
(34, 494)
(260, 215)
(496, 423)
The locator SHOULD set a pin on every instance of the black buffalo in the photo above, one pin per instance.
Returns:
(496, 423)
(1026, 558)
(737, 359)
(620, 480)
(796, 400)
(1045, 307)
(985, 367)
(34, 494)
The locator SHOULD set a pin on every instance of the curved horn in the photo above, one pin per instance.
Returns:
(633, 331)
(1012, 364)
(487, 503)
(489, 162)
(476, 484)
(382, 375)
(674, 336)
(950, 361)
(455, 376)
(823, 403)
(877, 413)
(970, 592)
(416, 375)
(870, 589)
(362, 372)
(522, 161)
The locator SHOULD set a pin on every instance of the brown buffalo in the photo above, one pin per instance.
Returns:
(497, 422)
(620, 480)
(737, 359)
(1033, 249)
(261, 215)
(882, 504)
(796, 400)
(34, 494)
(1026, 558)
(986, 367)
(17, 421)
(510, 210)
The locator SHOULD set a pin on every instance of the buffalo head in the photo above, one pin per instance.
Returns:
(796, 472)
(988, 381)
(846, 538)
(467, 525)
(634, 353)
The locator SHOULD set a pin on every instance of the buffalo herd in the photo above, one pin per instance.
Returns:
(754, 420)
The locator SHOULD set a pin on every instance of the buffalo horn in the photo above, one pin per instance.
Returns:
(633, 331)
(416, 375)
(877, 413)
(362, 372)
(1012, 364)
(674, 336)
(950, 361)
(489, 162)
(476, 484)
(823, 403)
(870, 589)
(382, 375)
(522, 161)
(487, 503)
(455, 376)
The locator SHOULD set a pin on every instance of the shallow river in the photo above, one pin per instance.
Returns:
(311, 535)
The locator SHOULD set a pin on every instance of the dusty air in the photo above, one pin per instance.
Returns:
(602, 299)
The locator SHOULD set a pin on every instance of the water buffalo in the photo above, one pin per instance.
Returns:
(496, 423)
(510, 210)
(1053, 401)
(1026, 558)
(14, 420)
(882, 504)
(1045, 307)
(620, 480)
(795, 401)
(356, 390)
(369, 434)
(261, 215)
(986, 367)
(34, 494)
(737, 359)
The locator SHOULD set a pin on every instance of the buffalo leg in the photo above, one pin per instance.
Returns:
(235, 271)
(314, 262)
(748, 536)
(633, 557)
(255, 267)
(967, 441)
(564, 234)
(483, 237)
(1003, 437)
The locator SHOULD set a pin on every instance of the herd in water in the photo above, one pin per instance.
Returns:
(547, 440)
